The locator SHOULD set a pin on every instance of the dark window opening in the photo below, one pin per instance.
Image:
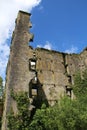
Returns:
(68, 91)
(33, 87)
(69, 79)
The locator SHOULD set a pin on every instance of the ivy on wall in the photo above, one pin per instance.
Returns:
(21, 120)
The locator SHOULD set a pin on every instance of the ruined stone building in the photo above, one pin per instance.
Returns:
(47, 74)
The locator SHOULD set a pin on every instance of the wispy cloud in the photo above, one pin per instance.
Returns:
(47, 45)
(4, 53)
(8, 14)
(73, 49)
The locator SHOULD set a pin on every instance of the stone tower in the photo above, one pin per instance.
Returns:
(18, 68)
(46, 73)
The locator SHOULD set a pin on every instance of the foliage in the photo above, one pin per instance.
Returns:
(80, 87)
(52, 118)
(67, 114)
(1, 80)
(22, 119)
(1, 86)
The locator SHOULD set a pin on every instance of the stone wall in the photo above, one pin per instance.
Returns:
(18, 75)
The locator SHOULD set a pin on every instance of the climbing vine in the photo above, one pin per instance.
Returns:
(21, 120)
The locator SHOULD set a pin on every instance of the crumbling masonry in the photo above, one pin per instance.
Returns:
(45, 74)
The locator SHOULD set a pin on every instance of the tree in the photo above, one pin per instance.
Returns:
(68, 114)
(1, 86)
(21, 120)
(80, 91)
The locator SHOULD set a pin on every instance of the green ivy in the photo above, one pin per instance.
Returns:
(21, 120)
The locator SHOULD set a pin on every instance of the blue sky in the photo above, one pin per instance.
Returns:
(60, 25)
(63, 23)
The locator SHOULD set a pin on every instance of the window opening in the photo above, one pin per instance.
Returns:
(69, 79)
(33, 92)
(68, 91)
(32, 64)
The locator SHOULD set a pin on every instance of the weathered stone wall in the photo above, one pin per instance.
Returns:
(54, 70)
(51, 73)
(18, 75)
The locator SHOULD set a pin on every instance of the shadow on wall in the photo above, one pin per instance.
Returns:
(36, 95)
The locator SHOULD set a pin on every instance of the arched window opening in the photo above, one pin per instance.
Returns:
(33, 87)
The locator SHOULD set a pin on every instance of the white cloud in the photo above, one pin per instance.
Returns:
(73, 49)
(47, 45)
(8, 14)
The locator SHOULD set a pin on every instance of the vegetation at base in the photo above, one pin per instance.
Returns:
(22, 119)
(67, 114)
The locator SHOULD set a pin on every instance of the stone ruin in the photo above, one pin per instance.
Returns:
(45, 74)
